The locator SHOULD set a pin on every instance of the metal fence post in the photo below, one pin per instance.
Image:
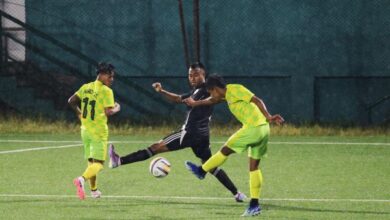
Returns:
(1, 45)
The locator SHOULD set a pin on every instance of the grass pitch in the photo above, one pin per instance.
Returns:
(305, 178)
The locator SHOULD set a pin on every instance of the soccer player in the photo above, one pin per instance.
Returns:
(97, 102)
(253, 136)
(195, 132)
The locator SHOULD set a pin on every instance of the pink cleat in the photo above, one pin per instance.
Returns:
(79, 183)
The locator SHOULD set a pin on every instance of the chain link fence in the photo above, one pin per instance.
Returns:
(282, 50)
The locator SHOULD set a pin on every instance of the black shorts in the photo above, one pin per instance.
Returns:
(200, 145)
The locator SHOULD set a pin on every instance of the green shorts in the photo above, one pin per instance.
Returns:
(95, 146)
(254, 138)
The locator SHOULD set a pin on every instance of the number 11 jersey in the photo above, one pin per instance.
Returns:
(95, 97)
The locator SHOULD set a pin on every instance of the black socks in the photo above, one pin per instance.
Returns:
(225, 180)
(137, 156)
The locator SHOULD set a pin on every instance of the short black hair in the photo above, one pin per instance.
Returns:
(105, 68)
(215, 80)
(198, 65)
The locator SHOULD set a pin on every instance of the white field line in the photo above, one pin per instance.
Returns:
(197, 198)
(79, 143)
(38, 148)
(330, 143)
(37, 141)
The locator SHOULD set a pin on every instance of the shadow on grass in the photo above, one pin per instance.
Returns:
(296, 208)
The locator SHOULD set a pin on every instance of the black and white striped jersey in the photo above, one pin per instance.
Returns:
(198, 118)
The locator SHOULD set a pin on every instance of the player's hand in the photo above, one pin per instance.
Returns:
(276, 119)
(117, 106)
(189, 101)
(157, 86)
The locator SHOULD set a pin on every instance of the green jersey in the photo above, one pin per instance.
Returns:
(239, 101)
(95, 97)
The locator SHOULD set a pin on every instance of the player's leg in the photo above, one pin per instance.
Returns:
(255, 153)
(95, 193)
(92, 180)
(80, 181)
(140, 155)
(202, 151)
(224, 179)
(93, 169)
(144, 154)
(215, 161)
(237, 143)
(255, 182)
(201, 148)
(97, 155)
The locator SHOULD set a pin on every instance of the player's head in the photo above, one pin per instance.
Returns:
(105, 73)
(216, 86)
(196, 74)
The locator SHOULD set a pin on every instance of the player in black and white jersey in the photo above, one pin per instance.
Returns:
(195, 132)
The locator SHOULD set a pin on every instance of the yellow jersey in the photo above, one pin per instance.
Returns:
(95, 97)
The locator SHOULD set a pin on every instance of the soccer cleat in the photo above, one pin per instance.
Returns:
(115, 159)
(252, 211)
(240, 197)
(195, 169)
(96, 194)
(79, 183)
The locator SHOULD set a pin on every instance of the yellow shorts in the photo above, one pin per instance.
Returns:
(254, 138)
(95, 146)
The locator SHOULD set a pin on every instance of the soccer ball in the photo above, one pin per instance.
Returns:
(159, 167)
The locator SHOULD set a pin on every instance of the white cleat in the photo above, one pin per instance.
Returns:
(240, 197)
(96, 194)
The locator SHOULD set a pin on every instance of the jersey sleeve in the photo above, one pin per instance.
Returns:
(80, 91)
(185, 95)
(242, 93)
(108, 100)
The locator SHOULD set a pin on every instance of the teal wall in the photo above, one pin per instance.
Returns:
(298, 40)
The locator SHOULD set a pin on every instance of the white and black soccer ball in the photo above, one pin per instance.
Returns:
(159, 167)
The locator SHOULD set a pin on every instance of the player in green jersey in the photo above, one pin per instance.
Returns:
(253, 136)
(96, 101)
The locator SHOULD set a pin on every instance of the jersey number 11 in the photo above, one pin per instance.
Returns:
(92, 103)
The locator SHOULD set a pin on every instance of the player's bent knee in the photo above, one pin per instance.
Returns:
(254, 164)
(158, 148)
(97, 161)
(226, 151)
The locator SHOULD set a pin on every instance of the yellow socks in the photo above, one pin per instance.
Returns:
(92, 170)
(214, 161)
(92, 180)
(255, 182)
(93, 183)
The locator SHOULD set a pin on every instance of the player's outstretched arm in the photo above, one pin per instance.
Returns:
(169, 95)
(270, 118)
(113, 110)
(74, 102)
(209, 101)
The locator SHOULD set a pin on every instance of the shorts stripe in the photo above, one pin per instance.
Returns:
(172, 137)
(182, 136)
